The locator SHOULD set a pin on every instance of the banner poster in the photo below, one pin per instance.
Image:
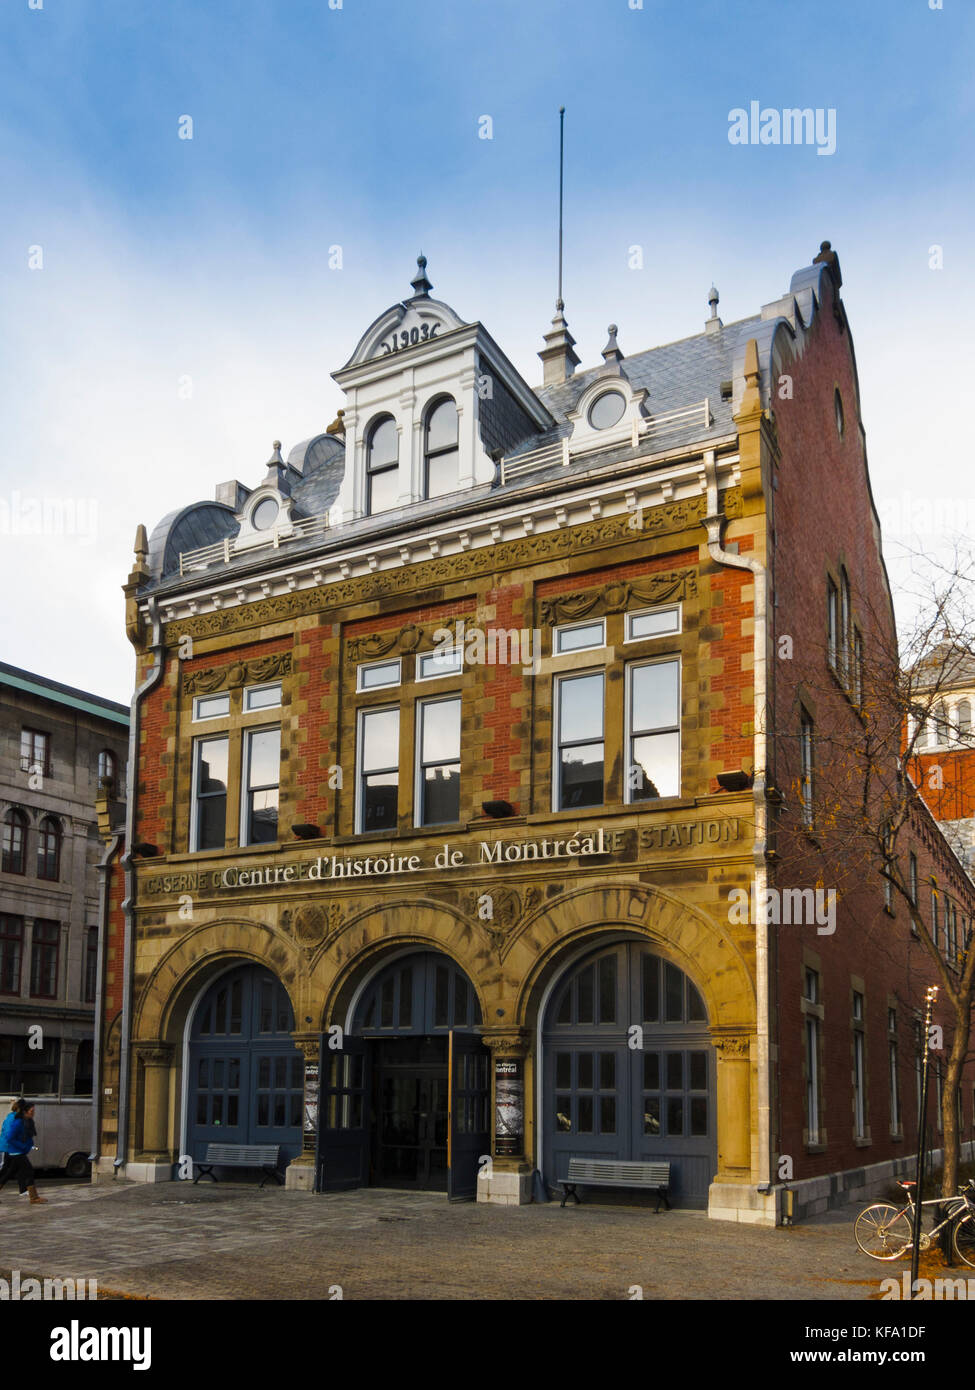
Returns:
(509, 1106)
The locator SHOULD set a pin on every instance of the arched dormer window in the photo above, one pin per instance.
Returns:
(382, 465)
(49, 849)
(440, 452)
(14, 841)
(107, 769)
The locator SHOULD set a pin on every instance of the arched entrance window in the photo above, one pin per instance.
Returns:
(246, 1077)
(405, 1099)
(629, 1070)
(14, 841)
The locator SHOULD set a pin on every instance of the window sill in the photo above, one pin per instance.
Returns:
(862, 1142)
(626, 808)
(815, 1148)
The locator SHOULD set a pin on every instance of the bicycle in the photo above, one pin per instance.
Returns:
(886, 1232)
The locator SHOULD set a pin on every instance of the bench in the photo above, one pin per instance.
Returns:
(240, 1156)
(608, 1172)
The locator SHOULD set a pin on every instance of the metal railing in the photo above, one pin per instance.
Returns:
(563, 451)
(222, 552)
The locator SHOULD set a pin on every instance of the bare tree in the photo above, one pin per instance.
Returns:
(851, 819)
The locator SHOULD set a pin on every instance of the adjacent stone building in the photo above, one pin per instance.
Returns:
(460, 734)
(56, 745)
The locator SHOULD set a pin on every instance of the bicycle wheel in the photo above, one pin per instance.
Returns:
(883, 1232)
(963, 1240)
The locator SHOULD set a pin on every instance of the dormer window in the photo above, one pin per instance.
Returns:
(607, 410)
(265, 514)
(440, 453)
(382, 465)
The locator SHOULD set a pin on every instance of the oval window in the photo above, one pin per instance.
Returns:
(265, 514)
(607, 410)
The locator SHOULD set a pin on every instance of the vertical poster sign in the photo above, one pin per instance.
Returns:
(509, 1106)
(311, 1105)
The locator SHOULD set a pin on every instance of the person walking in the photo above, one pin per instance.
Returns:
(16, 1141)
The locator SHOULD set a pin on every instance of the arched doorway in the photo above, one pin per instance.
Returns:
(246, 1081)
(406, 1096)
(628, 1068)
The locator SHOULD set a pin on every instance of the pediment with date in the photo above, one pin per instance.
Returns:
(405, 326)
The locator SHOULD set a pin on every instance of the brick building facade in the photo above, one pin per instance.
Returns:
(458, 737)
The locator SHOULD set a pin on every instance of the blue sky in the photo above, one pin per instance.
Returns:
(207, 259)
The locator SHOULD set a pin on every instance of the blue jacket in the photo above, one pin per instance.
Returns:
(15, 1136)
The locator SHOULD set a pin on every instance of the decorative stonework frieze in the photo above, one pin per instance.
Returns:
(618, 596)
(237, 673)
(379, 644)
(732, 1047)
(465, 564)
(311, 923)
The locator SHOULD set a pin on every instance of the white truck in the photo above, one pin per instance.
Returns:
(63, 1132)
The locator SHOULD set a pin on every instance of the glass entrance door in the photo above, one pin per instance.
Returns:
(411, 1114)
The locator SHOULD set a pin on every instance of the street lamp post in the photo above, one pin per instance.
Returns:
(929, 998)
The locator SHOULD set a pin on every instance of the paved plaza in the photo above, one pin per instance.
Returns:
(235, 1241)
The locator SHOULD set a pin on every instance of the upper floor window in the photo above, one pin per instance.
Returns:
(382, 465)
(261, 776)
(107, 769)
(377, 675)
(262, 697)
(579, 637)
(580, 741)
(912, 877)
(14, 841)
(211, 758)
(45, 947)
(653, 622)
(49, 849)
(963, 719)
(35, 752)
(440, 452)
(653, 730)
(806, 768)
(857, 667)
(832, 621)
(431, 665)
(844, 640)
(11, 951)
(211, 707)
(91, 965)
(378, 763)
(438, 766)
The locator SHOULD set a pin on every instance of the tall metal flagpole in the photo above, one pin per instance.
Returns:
(558, 303)
(930, 996)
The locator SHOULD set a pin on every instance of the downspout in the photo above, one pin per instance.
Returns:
(715, 521)
(104, 878)
(128, 904)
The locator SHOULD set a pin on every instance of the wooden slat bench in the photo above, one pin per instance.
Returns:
(240, 1156)
(607, 1172)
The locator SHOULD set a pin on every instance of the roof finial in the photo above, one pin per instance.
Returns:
(713, 298)
(611, 352)
(420, 283)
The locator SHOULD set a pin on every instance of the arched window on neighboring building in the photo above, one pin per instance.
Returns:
(382, 465)
(49, 849)
(942, 725)
(440, 452)
(963, 720)
(107, 769)
(14, 842)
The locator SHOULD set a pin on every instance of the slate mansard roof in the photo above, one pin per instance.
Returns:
(708, 366)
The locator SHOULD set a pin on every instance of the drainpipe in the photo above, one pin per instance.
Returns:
(96, 1062)
(128, 905)
(715, 521)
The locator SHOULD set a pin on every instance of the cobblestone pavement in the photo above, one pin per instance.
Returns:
(177, 1241)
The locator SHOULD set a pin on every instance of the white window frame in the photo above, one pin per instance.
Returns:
(646, 612)
(812, 1078)
(807, 767)
(377, 665)
(557, 734)
(195, 783)
(418, 764)
(359, 770)
(198, 701)
(439, 675)
(245, 789)
(628, 734)
(250, 690)
(574, 627)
